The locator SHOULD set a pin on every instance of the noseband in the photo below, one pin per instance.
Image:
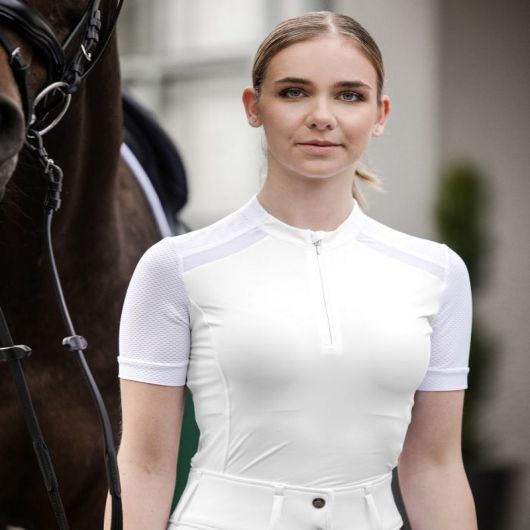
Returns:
(66, 65)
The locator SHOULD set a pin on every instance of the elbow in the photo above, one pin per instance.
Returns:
(147, 460)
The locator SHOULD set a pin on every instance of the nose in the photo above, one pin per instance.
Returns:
(11, 134)
(321, 116)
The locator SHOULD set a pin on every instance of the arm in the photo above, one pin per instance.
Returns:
(431, 474)
(154, 352)
(147, 459)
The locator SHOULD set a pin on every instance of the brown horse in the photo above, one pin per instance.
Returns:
(102, 228)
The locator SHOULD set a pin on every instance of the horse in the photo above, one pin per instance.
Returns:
(103, 227)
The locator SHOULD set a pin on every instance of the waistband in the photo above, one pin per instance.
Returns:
(368, 499)
(359, 487)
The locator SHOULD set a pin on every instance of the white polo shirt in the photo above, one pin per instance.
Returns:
(302, 349)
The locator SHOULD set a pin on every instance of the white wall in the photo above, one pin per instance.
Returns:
(193, 68)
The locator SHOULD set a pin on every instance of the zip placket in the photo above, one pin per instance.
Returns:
(318, 250)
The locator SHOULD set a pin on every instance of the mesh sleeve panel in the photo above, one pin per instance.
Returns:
(155, 326)
(451, 336)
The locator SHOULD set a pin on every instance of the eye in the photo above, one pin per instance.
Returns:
(349, 95)
(291, 93)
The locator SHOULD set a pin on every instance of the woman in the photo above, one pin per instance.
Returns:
(305, 330)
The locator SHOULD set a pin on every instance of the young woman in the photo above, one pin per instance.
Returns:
(321, 347)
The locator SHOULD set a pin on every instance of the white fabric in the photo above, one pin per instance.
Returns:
(218, 501)
(303, 349)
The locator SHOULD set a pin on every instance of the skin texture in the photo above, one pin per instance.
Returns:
(101, 230)
(431, 474)
(307, 188)
(147, 459)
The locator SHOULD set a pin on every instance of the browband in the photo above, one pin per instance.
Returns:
(34, 27)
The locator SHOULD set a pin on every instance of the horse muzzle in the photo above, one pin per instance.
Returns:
(12, 132)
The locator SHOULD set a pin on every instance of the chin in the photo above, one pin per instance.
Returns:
(324, 173)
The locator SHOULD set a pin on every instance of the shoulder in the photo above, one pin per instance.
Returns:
(428, 255)
(451, 315)
(227, 235)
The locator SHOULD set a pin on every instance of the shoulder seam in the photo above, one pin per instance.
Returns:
(206, 246)
(431, 267)
(194, 256)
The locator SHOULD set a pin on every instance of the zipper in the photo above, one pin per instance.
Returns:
(318, 249)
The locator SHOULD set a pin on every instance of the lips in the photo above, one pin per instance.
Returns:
(318, 147)
(320, 143)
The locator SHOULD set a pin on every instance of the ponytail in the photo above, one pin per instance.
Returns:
(366, 176)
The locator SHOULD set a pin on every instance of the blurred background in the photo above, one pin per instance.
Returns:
(454, 159)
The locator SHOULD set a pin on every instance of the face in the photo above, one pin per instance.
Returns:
(318, 107)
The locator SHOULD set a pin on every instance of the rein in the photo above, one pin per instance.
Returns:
(67, 65)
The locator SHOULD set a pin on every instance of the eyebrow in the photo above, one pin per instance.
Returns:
(340, 84)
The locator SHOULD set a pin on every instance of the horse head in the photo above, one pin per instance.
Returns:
(38, 42)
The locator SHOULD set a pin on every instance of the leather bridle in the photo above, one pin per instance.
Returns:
(66, 65)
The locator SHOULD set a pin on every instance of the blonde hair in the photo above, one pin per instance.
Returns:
(309, 26)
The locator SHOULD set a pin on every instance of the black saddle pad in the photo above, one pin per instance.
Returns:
(157, 154)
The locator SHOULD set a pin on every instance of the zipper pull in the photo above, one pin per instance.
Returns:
(317, 246)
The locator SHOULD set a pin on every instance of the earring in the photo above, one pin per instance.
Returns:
(253, 119)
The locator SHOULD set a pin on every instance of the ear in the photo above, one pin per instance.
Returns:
(384, 110)
(250, 102)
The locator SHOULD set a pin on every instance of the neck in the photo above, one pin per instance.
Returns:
(319, 204)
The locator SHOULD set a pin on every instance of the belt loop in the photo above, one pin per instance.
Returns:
(277, 504)
(372, 508)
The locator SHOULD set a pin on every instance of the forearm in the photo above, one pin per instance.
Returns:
(146, 497)
(437, 496)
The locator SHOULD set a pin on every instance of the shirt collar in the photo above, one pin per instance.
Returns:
(347, 230)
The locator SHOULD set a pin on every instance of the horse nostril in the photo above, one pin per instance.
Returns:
(11, 129)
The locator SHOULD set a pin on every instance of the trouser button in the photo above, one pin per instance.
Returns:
(319, 502)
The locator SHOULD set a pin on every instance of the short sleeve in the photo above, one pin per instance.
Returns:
(154, 339)
(451, 335)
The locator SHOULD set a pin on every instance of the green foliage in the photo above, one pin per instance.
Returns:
(460, 213)
(189, 440)
(460, 216)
